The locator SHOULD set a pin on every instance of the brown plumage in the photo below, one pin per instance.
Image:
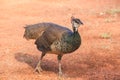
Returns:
(53, 38)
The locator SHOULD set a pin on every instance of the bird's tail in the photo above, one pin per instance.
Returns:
(34, 31)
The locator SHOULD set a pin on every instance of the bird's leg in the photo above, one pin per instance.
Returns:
(38, 67)
(59, 64)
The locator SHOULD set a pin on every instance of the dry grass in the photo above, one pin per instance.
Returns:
(113, 11)
(105, 35)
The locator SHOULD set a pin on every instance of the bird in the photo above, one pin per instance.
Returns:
(55, 39)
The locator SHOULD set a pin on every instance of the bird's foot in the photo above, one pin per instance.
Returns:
(60, 74)
(38, 69)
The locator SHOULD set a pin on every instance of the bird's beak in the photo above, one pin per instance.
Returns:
(81, 23)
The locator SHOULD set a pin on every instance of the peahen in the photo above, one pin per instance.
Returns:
(53, 38)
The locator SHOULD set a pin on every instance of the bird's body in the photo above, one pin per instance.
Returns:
(53, 38)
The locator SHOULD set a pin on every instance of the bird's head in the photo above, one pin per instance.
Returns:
(76, 23)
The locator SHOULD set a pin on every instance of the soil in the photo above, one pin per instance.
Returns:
(98, 57)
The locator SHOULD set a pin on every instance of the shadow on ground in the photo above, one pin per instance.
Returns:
(94, 66)
(32, 61)
(70, 70)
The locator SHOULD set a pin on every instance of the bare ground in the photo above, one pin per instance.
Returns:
(98, 58)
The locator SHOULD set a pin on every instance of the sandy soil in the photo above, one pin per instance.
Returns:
(98, 58)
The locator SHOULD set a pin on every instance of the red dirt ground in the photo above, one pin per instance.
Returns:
(98, 58)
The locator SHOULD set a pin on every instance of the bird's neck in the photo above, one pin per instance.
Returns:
(76, 35)
(75, 32)
(75, 29)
